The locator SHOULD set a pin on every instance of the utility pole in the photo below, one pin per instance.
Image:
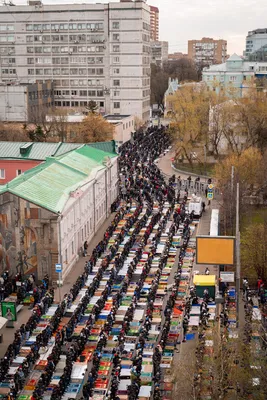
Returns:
(205, 158)
(232, 198)
(237, 234)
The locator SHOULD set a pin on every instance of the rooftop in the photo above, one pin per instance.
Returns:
(50, 184)
(112, 117)
(39, 151)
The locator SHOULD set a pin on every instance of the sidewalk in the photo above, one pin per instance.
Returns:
(25, 313)
(165, 164)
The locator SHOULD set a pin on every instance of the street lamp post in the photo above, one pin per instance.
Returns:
(237, 233)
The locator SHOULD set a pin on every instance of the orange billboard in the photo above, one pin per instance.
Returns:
(215, 250)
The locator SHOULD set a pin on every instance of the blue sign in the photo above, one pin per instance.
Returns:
(58, 268)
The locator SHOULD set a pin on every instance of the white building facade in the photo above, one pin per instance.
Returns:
(97, 52)
(84, 213)
(123, 127)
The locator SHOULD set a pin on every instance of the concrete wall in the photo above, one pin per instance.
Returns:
(83, 215)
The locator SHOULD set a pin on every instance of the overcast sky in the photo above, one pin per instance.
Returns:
(181, 20)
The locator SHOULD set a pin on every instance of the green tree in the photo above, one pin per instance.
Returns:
(92, 106)
(94, 128)
(37, 134)
(189, 126)
(254, 250)
(183, 69)
(158, 85)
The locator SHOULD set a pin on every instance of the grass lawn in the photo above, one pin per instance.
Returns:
(198, 169)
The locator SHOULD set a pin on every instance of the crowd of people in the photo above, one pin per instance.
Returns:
(145, 186)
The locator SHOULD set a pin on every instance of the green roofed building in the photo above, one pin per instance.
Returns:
(49, 211)
(18, 157)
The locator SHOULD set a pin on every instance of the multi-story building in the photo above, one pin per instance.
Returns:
(258, 55)
(154, 23)
(159, 52)
(177, 56)
(95, 52)
(20, 102)
(255, 40)
(49, 211)
(207, 51)
(234, 73)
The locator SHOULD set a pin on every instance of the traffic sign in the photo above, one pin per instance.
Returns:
(210, 195)
(210, 186)
(58, 268)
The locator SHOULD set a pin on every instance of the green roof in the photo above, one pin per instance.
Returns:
(39, 151)
(105, 146)
(49, 184)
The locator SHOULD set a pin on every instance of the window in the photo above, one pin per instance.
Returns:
(64, 60)
(116, 82)
(115, 25)
(66, 256)
(116, 60)
(56, 60)
(116, 48)
(91, 93)
(72, 247)
(233, 78)
(83, 93)
(30, 71)
(116, 37)
(116, 93)
(117, 104)
(19, 172)
(116, 70)
(2, 173)
(99, 71)
(30, 60)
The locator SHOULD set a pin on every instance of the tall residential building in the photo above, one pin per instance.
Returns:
(255, 40)
(97, 52)
(207, 51)
(154, 23)
(159, 52)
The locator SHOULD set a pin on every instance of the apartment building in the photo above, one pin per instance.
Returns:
(21, 102)
(159, 52)
(207, 51)
(154, 23)
(97, 52)
(255, 40)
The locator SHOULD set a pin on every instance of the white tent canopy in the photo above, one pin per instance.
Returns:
(3, 322)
